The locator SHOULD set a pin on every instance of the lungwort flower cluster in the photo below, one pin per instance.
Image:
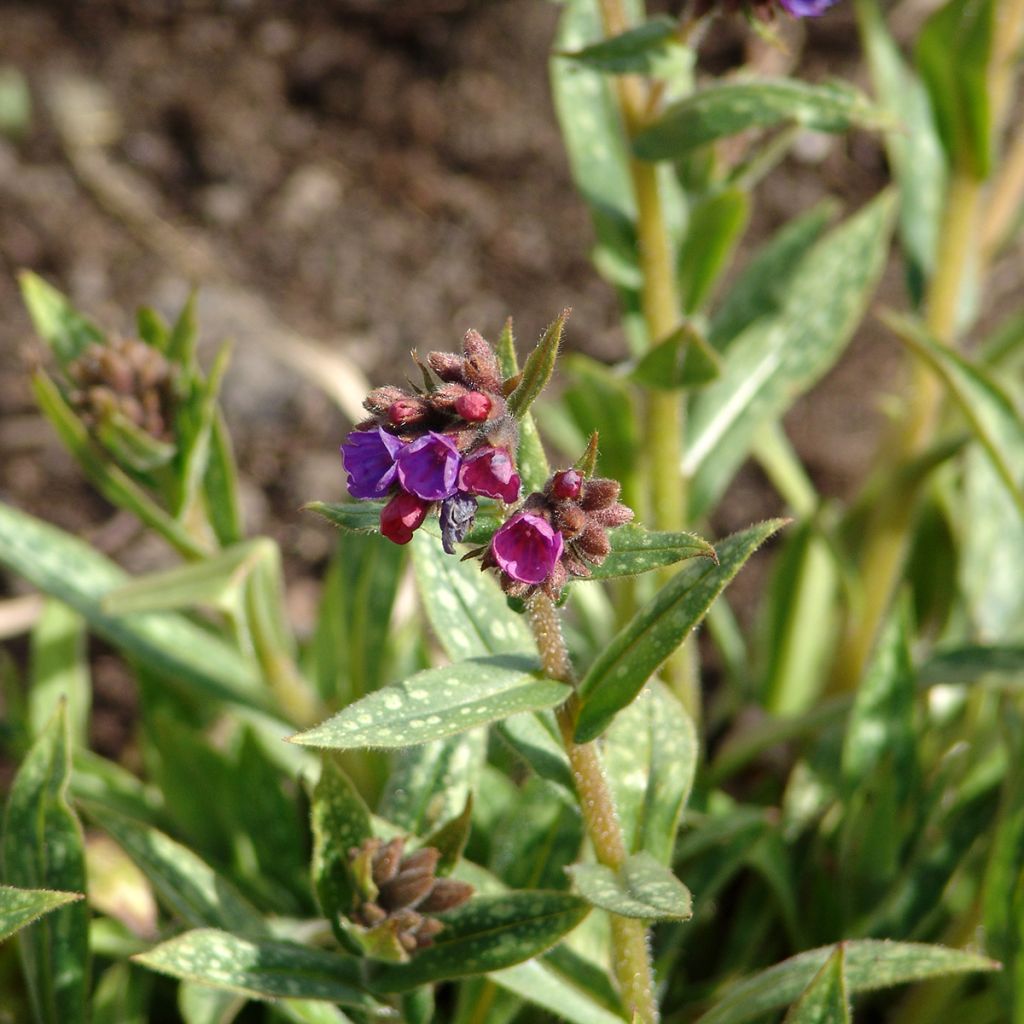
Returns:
(448, 444)
(456, 440)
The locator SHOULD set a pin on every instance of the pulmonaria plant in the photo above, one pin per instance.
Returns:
(448, 444)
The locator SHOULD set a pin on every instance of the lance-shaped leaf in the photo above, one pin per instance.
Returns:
(825, 1000)
(620, 671)
(354, 516)
(966, 664)
(650, 754)
(989, 410)
(186, 885)
(130, 445)
(340, 820)
(536, 739)
(683, 360)
(539, 366)
(642, 888)
(43, 849)
(870, 965)
(733, 107)
(715, 226)
(450, 838)
(69, 569)
(487, 934)
(653, 48)
(531, 460)
(777, 358)
(466, 608)
(438, 702)
(954, 50)
(760, 290)
(60, 670)
(539, 983)
(19, 907)
(63, 328)
(260, 969)
(636, 550)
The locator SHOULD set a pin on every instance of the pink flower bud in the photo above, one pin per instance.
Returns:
(402, 516)
(473, 406)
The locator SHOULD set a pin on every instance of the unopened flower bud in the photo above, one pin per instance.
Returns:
(387, 859)
(447, 365)
(567, 485)
(480, 367)
(447, 894)
(380, 400)
(594, 543)
(407, 411)
(402, 516)
(599, 494)
(570, 519)
(406, 889)
(473, 406)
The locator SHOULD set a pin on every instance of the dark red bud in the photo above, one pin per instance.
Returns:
(423, 859)
(594, 543)
(600, 493)
(473, 406)
(570, 519)
(407, 410)
(446, 895)
(387, 860)
(402, 516)
(447, 365)
(567, 485)
(405, 890)
(380, 400)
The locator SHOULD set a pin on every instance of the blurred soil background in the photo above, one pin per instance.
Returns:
(344, 179)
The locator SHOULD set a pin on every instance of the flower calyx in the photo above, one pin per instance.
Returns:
(397, 894)
(558, 533)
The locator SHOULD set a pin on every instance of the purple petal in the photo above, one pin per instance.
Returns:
(807, 8)
(369, 457)
(490, 472)
(429, 467)
(527, 548)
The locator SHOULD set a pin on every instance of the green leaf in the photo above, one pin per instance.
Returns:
(636, 550)
(536, 739)
(487, 934)
(715, 226)
(540, 984)
(763, 284)
(653, 49)
(600, 401)
(914, 149)
(968, 663)
(221, 486)
(777, 358)
(798, 622)
(870, 965)
(466, 608)
(151, 328)
(431, 783)
(731, 107)
(438, 702)
(989, 410)
(531, 460)
(70, 570)
(186, 885)
(340, 820)
(131, 446)
(683, 360)
(824, 1000)
(113, 483)
(43, 849)
(881, 724)
(356, 516)
(624, 666)
(450, 838)
(19, 907)
(954, 49)
(181, 346)
(539, 366)
(538, 836)
(65, 331)
(260, 969)
(650, 754)
(643, 887)
(60, 671)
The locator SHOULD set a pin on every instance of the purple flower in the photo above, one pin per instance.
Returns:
(370, 462)
(429, 467)
(489, 471)
(807, 8)
(526, 548)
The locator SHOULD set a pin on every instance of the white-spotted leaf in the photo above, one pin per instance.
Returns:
(642, 888)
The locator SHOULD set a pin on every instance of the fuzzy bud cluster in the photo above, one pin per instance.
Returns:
(559, 532)
(125, 376)
(449, 443)
(765, 10)
(400, 891)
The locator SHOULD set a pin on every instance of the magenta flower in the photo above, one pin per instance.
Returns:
(429, 467)
(490, 472)
(807, 8)
(402, 516)
(526, 548)
(369, 457)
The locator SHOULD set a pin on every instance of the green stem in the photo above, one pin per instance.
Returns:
(665, 411)
(632, 962)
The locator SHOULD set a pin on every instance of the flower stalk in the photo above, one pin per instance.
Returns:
(631, 954)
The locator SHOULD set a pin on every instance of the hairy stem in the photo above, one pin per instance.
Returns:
(632, 962)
